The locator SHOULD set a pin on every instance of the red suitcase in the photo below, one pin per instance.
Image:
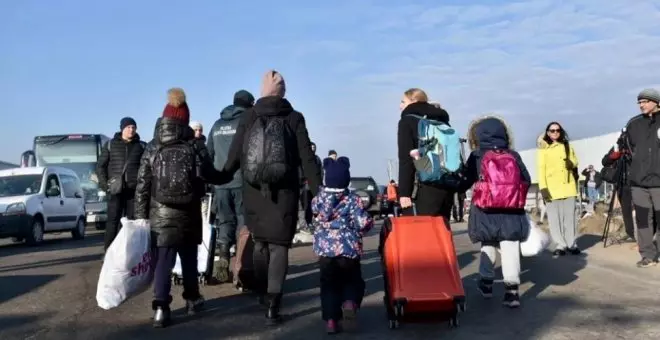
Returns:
(420, 269)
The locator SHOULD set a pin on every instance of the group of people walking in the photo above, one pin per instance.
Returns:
(257, 152)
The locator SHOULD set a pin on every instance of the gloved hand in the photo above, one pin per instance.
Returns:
(545, 193)
(569, 164)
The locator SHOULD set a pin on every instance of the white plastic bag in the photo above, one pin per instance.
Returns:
(536, 242)
(128, 266)
(203, 252)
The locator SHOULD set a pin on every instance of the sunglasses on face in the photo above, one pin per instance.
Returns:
(554, 130)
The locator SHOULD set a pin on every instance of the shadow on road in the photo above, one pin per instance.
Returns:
(17, 285)
(10, 324)
(51, 263)
(50, 244)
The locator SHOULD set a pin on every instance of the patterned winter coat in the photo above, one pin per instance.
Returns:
(340, 223)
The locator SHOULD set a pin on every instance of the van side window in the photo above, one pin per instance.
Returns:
(69, 186)
(52, 182)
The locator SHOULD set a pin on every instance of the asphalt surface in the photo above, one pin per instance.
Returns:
(48, 292)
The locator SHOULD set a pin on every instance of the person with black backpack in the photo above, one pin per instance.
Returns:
(270, 145)
(170, 186)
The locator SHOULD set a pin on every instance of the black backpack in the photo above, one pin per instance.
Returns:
(267, 152)
(174, 169)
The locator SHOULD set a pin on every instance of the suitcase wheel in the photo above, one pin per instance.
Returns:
(453, 322)
(393, 324)
(398, 310)
(461, 306)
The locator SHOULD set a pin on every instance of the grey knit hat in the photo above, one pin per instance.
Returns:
(649, 94)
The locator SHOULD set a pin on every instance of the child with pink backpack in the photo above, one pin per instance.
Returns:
(497, 220)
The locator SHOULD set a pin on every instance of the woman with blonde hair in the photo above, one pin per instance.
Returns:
(430, 200)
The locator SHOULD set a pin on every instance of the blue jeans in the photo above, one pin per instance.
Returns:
(592, 194)
(229, 214)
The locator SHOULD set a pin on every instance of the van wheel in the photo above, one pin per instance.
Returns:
(36, 235)
(99, 225)
(79, 232)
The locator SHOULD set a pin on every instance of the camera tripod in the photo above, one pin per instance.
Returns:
(620, 173)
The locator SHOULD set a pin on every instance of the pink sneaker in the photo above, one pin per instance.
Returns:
(349, 311)
(331, 327)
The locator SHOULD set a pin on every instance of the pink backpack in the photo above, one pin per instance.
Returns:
(500, 184)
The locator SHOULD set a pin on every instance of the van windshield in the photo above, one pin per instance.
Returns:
(20, 185)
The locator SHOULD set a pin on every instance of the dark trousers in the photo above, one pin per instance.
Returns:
(625, 198)
(306, 203)
(457, 208)
(229, 215)
(271, 262)
(341, 280)
(122, 205)
(432, 201)
(165, 260)
(647, 208)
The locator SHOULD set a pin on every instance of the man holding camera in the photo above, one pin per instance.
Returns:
(643, 138)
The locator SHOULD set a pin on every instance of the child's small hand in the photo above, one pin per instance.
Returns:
(415, 154)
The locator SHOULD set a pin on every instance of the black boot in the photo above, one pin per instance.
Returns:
(195, 306)
(221, 272)
(273, 316)
(162, 314)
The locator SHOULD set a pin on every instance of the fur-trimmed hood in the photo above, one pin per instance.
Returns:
(541, 143)
(490, 132)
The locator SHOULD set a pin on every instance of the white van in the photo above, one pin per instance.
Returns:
(39, 200)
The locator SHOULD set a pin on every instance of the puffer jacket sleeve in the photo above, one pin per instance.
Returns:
(143, 188)
(102, 167)
(311, 168)
(205, 164)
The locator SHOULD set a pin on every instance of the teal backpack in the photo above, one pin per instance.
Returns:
(440, 149)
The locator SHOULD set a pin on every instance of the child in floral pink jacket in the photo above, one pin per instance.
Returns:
(340, 223)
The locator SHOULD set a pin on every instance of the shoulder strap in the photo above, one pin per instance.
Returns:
(128, 157)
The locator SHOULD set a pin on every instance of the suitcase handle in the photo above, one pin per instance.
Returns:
(397, 210)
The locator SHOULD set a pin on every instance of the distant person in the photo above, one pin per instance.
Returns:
(557, 174)
(116, 170)
(457, 208)
(620, 152)
(642, 136)
(430, 200)
(199, 130)
(498, 222)
(271, 197)
(173, 208)
(229, 197)
(591, 185)
(339, 227)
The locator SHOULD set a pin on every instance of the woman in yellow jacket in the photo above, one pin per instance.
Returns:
(557, 165)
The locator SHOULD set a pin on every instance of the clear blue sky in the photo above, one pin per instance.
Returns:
(80, 66)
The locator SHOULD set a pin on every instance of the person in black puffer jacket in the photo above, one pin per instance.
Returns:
(429, 200)
(124, 150)
(172, 203)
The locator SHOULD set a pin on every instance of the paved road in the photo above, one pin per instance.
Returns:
(49, 293)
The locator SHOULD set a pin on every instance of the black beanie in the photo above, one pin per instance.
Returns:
(243, 98)
(126, 121)
(337, 172)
